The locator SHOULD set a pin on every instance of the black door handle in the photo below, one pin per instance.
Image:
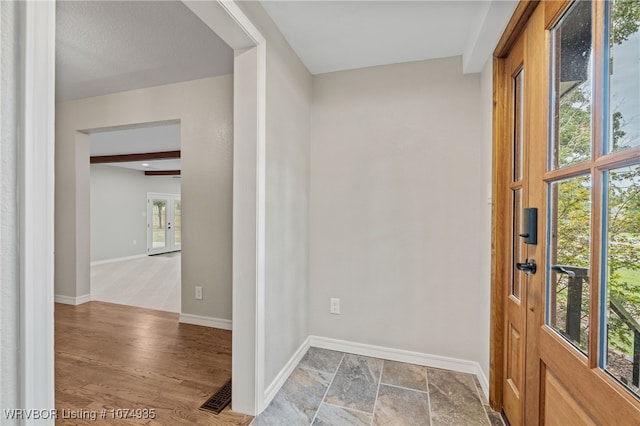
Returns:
(528, 267)
(562, 270)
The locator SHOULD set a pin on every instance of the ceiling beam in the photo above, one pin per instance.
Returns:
(123, 158)
(162, 172)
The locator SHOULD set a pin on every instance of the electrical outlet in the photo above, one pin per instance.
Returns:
(198, 293)
(334, 306)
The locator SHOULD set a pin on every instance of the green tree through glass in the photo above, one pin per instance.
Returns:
(623, 194)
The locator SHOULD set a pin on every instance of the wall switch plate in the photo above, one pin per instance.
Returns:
(198, 293)
(334, 307)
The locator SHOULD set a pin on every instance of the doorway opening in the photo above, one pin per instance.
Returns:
(164, 223)
(36, 328)
(202, 107)
(126, 165)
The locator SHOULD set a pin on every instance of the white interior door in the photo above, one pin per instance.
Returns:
(164, 223)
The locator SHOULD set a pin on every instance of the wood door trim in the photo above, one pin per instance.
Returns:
(498, 246)
(553, 10)
(515, 27)
(501, 182)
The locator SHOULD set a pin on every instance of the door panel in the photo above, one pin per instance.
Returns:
(560, 409)
(592, 389)
(514, 363)
(570, 350)
(570, 333)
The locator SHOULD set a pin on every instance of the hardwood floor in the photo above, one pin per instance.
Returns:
(120, 357)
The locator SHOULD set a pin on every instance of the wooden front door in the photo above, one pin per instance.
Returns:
(566, 260)
(515, 75)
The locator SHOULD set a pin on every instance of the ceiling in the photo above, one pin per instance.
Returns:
(111, 46)
(106, 47)
(340, 35)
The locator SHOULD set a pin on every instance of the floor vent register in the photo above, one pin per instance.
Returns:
(219, 400)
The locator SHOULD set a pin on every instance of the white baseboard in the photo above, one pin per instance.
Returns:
(68, 300)
(418, 358)
(484, 382)
(277, 383)
(224, 324)
(118, 259)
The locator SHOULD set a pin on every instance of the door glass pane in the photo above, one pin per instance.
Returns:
(159, 223)
(177, 223)
(572, 57)
(624, 75)
(518, 249)
(569, 259)
(622, 307)
(518, 114)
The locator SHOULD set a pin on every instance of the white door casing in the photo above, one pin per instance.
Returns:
(37, 72)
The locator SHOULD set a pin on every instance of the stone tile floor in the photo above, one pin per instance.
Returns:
(335, 388)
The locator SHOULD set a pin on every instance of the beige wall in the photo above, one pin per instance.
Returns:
(287, 190)
(397, 212)
(205, 110)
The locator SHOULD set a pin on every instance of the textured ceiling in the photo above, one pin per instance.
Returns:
(111, 46)
(165, 137)
(339, 35)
